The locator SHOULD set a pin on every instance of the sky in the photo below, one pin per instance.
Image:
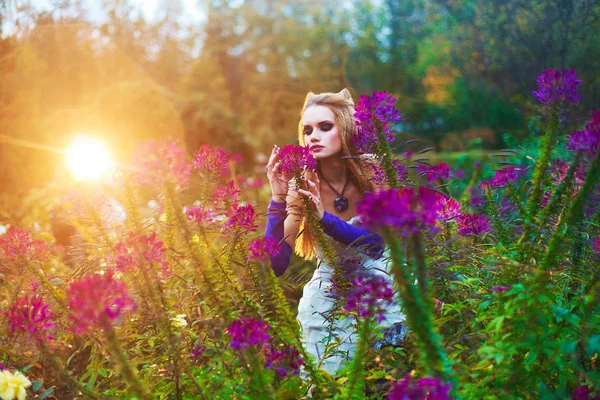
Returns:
(191, 14)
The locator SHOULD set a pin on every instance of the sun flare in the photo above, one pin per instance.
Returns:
(88, 158)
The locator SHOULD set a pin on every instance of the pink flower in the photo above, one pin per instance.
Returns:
(200, 215)
(448, 208)
(211, 160)
(295, 160)
(135, 251)
(472, 224)
(243, 217)
(410, 388)
(263, 248)
(502, 177)
(596, 245)
(97, 299)
(17, 242)
(162, 161)
(435, 172)
(32, 316)
(227, 193)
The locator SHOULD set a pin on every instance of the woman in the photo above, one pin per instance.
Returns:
(327, 126)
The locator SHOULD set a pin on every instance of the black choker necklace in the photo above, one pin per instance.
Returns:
(340, 203)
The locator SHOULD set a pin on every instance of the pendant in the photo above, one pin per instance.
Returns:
(341, 204)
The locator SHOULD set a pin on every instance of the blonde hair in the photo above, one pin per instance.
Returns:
(342, 106)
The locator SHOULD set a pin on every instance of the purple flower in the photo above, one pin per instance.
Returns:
(161, 161)
(545, 199)
(405, 210)
(373, 113)
(2, 367)
(295, 160)
(32, 316)
(506, 207)
(243, 217)
(476, 199)
(211, 160)
(263, 248)
(501, 178)
(426, 388)
(246, 332)
(197, 354)
(448, 208)
(435, 172)
(472, 224)
(499, 289)
(584, 393)
(556, 86)
(351, 267)
(200, 215)
(586, 141)
(370, 294)
(285, 361)
(379, 174)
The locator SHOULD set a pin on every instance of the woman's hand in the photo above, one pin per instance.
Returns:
(279, 184)
(314, 195)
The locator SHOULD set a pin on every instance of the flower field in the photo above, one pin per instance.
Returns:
(162, 287)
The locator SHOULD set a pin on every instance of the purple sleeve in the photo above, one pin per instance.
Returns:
(366, 241)
(276, 214)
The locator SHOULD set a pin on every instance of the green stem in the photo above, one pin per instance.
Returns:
(548, 143)
(356, 378)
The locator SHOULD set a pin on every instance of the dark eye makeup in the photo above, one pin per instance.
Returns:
(325, 127)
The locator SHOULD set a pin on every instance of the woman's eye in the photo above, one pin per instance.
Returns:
(326, 127)
(308, 131)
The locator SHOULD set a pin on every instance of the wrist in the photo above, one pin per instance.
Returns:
(278, 198)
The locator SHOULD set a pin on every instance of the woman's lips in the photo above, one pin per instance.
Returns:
(316, 148)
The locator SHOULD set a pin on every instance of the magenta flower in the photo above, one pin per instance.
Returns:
(243, 217)
(410, 388)
(200, 215)
(162, 161)
(585, 393)
(285, 361)
(197, 354)
(557, 86)
(227, 193)
(405, 210)
(379, 174)
(369, 295)
(448, 208)
(97, 299)
(499, 289)
(375, 114)
(212, 160)
(17, 242)
(434, 172)
(472, 224)
(136, 251)
(30, 314)
(596, 245)
(263, 248)
(295, 160)
(246, 332)
(586, 141)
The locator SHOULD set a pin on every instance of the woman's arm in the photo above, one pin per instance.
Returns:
(364, 240)
(283, 226)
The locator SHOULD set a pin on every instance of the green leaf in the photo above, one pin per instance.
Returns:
(46, 393)
(102, 372)
(593, 345)
(37, 385)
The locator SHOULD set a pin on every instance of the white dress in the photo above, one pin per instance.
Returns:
(315, 307)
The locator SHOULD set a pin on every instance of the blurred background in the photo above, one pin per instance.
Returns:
(234, 73)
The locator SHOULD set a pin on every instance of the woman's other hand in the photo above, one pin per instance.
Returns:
(279, 184)
(313, 194)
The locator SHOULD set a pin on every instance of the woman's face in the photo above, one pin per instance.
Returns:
(321, 133)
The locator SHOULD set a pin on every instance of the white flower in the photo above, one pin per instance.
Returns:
(13, 386)
(179, 321)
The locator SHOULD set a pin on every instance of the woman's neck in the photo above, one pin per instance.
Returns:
(334, 170)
